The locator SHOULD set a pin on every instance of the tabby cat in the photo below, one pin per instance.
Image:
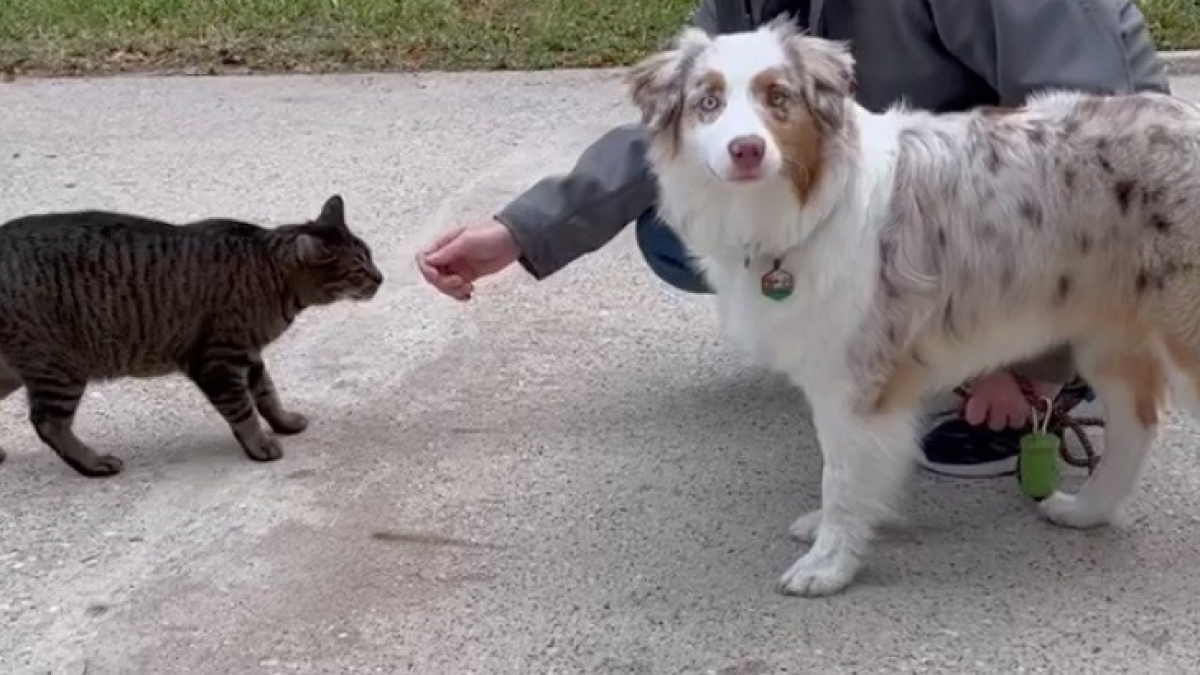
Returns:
(93, 295)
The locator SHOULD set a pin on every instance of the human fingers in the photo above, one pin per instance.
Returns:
(430, 273)
(440, 242)
(457, 251)
(1019, 417)
(997, 413)
(448, 283)
(458, 288)
(1009, 412)
(975, 412)
(997, 418)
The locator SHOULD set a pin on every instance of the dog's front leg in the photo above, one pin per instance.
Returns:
(867, 458)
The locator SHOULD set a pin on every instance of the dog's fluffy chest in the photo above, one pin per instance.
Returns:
(832, 264)
(804, 332)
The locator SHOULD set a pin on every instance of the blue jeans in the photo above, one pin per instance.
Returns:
(666, 255)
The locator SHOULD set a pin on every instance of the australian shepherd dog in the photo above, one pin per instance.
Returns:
(879, 257)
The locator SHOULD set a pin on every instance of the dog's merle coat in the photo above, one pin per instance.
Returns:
(928, 249)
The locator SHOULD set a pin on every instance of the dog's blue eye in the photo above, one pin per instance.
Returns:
(709, 103)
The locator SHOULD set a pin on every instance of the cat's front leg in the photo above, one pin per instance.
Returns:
(266, 399)
(223, 379)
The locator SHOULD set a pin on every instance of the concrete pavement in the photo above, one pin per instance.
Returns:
(571, 476)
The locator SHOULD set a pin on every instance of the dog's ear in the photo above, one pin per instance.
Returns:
(826, 69)
(656, 83)
(783, 26)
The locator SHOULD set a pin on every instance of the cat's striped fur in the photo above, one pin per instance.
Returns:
(92, 295)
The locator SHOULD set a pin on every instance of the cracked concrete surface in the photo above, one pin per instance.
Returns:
(566, 476)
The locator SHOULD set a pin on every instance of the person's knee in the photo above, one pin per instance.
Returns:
(659, 245)
(666, 254)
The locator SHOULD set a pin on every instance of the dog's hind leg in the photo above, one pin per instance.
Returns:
(1183, 372)
(1130, 381)
(867, 459)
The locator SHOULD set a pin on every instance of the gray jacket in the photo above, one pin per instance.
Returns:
(937, 54)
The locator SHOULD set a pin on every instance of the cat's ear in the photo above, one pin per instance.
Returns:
(312, 251)
(333, 212)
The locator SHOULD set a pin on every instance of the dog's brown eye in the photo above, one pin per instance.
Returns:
(779, 98)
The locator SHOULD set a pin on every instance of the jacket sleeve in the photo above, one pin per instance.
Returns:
(1022, 46)
(561, 218)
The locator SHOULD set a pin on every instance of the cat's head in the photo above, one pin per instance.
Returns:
(332, 263)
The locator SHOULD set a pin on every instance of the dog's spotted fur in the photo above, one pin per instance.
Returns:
(929, 248)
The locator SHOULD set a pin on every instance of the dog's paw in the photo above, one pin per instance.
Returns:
(1069, 510)
(815, 575)
(805, 527)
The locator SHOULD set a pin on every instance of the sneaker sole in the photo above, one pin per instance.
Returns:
(996, 469)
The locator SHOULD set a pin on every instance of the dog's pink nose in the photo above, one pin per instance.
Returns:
(747, 151)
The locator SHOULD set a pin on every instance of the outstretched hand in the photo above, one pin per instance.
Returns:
(459, 257)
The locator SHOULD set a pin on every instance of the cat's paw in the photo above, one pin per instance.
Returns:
(288, 423)
(265, 449)
(97, 466)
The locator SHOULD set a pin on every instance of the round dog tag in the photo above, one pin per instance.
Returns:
(778, 284)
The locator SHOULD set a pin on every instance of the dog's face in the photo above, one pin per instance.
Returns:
(748, 107)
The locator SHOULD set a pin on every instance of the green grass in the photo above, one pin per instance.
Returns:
(325, 35)
(97, 36)
(1174, 23)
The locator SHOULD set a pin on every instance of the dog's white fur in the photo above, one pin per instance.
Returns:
(927, 249)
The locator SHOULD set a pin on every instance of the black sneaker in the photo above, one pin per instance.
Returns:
(955, 447)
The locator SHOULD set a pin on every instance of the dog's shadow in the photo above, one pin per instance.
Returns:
(744, 462)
